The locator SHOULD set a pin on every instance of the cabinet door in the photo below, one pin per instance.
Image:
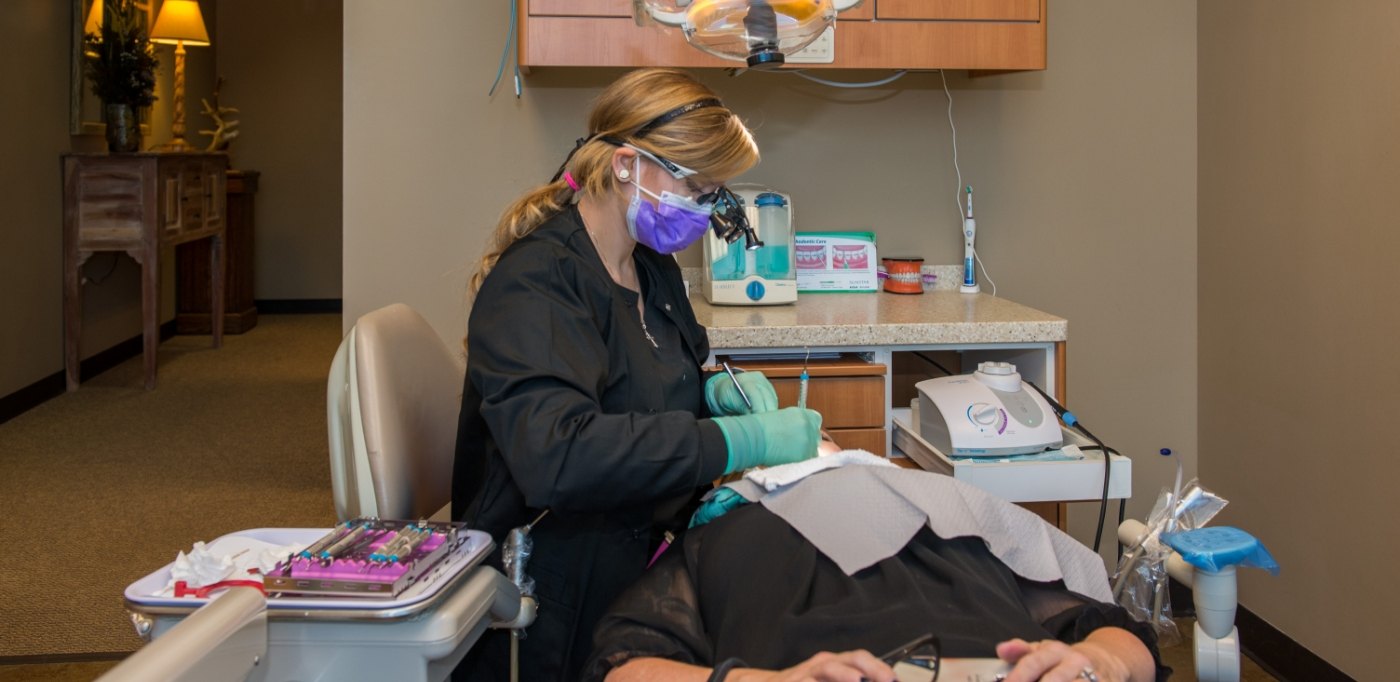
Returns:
(878, 34)
(171, 192)
(958, 10)
(214, 185)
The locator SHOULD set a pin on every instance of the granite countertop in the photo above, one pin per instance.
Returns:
(880, 319)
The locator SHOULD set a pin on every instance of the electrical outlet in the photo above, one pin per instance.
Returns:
(821, 51)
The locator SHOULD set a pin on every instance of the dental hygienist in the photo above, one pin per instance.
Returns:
(584, 393)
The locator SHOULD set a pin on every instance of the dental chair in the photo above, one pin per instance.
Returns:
(392, 402)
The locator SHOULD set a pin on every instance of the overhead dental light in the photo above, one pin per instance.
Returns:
(759, 32)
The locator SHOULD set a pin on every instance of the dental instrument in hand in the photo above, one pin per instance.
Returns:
(730, 371)
(802, 382)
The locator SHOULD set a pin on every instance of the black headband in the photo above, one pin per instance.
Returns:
(675, 114)
(642, 131)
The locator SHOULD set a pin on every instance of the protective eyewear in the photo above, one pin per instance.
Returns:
(917, 661)
(676, 170)
(727, 217)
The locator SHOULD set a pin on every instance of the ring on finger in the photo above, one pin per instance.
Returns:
(1088, 674)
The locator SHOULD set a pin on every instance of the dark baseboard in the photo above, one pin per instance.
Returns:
(298, 306)
(1281, 656)
(1277, 653)
(53, 385)
(51, 659)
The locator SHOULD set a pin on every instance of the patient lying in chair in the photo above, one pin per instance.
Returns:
(862, 559)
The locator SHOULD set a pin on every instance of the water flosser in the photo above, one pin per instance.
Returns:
(969, 283)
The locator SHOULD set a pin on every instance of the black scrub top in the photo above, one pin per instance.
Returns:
(569, 406)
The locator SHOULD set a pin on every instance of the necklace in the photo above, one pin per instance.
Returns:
(641, 315)
(641, 305)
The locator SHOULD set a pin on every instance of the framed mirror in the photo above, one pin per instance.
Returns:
(84, 108)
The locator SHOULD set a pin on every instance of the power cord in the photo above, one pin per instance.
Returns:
(1072, 421)
(110, 269)
(957, 191)
(838, 84)
(933, 362)
(505, 54)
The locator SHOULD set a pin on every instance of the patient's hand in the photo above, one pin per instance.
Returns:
(1114, 655)
(847, 666)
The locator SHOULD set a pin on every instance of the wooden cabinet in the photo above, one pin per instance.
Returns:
(989, 35)
(849, 393)
(139, 204)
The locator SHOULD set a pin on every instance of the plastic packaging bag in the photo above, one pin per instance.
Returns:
(515, 556)
(1140, 583)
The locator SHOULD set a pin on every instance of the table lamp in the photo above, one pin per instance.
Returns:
(179, 23)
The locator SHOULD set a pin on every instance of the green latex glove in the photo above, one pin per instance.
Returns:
(770, 438)
(721, 502)
(724, 399)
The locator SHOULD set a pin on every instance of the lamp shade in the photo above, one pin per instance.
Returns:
(180, 21)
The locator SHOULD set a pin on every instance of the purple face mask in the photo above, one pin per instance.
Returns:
(673, 224)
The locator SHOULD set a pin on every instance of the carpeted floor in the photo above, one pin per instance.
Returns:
(106, 484)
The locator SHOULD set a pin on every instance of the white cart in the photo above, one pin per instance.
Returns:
(420, 635)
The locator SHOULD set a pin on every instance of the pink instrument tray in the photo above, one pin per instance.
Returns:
(145, 593)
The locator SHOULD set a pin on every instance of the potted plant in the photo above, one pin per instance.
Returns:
(121, 63)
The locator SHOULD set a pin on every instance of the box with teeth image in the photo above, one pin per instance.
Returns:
(837, 262)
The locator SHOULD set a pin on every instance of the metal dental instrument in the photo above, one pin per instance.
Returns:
(344, 543)
(802, 381)
(405, 549)
(320, 545)
(729, 370)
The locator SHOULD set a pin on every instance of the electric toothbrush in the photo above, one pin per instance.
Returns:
(969, 283)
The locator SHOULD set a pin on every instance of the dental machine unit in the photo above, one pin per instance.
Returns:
(989, 413)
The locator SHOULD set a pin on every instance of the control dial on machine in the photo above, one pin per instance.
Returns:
(987, 417)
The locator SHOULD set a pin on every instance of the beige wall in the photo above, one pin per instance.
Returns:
(1299, 157)
(1085, 177)
(282, 65)
(34, 66)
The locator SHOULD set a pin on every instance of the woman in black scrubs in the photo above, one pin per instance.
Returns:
(584, 393)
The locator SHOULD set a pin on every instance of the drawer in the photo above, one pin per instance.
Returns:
(623, 8)
(581, 8)
(845, 402)
(848, 391)
(958, 10)
(870, 440)
(110, 205)
(171, 191)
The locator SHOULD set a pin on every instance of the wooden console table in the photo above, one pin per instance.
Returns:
(138, 204)
(192, 267)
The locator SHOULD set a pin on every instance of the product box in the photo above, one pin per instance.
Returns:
(837, 262)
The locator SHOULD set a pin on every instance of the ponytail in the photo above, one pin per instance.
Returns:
(520, 219)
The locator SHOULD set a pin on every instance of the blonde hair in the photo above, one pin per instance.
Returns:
(711, 140)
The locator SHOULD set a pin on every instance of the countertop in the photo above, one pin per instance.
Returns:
(880, 319)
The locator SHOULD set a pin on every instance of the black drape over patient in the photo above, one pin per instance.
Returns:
(750, 586)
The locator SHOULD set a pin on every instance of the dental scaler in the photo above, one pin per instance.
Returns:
(969, 282)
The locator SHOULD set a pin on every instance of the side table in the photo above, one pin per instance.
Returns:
(192, 267)
(139, 203)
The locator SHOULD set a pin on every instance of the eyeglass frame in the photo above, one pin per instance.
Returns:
(727, 217)
(906, 652)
